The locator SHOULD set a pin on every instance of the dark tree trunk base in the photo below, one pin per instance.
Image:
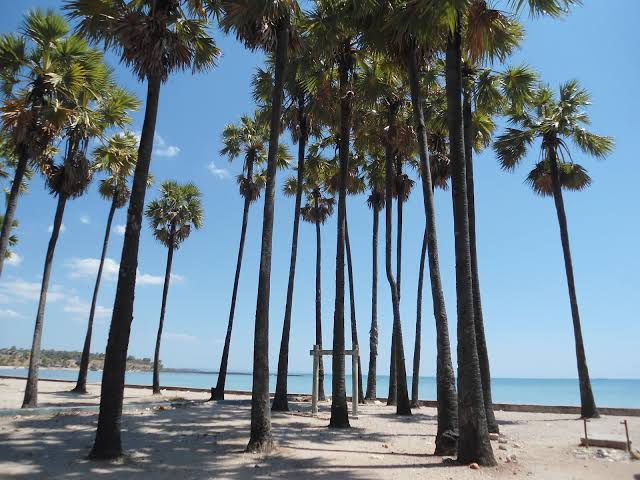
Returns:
(263, 446)
(80, 390)
(217, 394)
(446, 444)
(111, 454)
(157, 392)
(280, 403)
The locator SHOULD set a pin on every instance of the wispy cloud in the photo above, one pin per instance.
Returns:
(120, 229)
(88, 268)
(8, 313)
(75, 304)
(162, 149)
(63, 228)
(85, 219)
(221, 173)
(180, 337)
(14, 260)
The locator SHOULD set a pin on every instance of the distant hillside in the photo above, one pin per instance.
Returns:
(19, 357)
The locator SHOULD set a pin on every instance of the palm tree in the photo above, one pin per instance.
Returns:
(118, 159)
(557, 121)
(36, 70)
(172, 218)
(96, 106)
(264, 24)
(155, 39)
(375, 202)
(317, 210)
(248, 139)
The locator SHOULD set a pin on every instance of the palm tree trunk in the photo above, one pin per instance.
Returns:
(392, 396)
(447, 435)
(416, 348)
(108, 442)
(31, 390)
(403, 407)
(587, 403)
(373, 333)
(81, 384)
(261, 439)
(12, 205)
(321, 394)
(217, 393)
(481, 342)
(473, 441)
(165, 291)
(352, 305)
(339, 413)
(280, 401)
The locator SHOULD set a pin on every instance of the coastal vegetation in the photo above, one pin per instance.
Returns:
(378, 96)
(19, 357)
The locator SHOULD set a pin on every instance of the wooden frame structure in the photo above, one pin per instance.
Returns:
(317, 353)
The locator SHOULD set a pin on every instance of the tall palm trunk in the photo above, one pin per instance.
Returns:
(81, 384)
(587, 403)
(280, 401)
(415, 384)
(481, 342)
(321, 395)
(165, 291)
(339, 413)
(217, 393)
(108, 442)
(12, 204)
(31, 390)
(447, 435)
(392, 396)
(352, 308)
(373, 333)
(473, 441)
(261, 439)
(403, 407)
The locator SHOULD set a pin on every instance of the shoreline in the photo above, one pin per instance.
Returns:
(305, 397)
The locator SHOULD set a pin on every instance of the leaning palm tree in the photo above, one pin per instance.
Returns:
(117, 157)
(558, 122)
(36, 70)
(97, 106)
(13, 239)
(249, 140)
(155, 39)
(264, 24)
(172, 217)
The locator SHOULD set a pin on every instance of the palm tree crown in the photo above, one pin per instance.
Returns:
(175, 213)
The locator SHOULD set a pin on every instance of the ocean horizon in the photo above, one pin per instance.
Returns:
(624, 393)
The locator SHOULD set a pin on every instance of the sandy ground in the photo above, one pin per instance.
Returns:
(206, 441)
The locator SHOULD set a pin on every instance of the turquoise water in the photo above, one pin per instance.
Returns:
(608, 393)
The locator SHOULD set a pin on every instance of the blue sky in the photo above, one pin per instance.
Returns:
(525, 299)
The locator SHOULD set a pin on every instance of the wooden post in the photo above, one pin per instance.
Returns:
(626, 431)
(355, 395)
(316, 374)
(586, 437)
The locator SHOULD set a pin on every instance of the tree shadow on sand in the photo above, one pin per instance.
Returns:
(200, 441)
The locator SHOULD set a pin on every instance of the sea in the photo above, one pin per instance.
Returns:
(538, 391)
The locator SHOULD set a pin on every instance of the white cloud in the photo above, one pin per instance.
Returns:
(19, 290)
(76, 305)
(8, 313)
(221, 173)
(160, 146)
(62, 228)
(148, 279)
(85, 219)
(120, 229)
(14, 259)
(88, 267)
(180, 337)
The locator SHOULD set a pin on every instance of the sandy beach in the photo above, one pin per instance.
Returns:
(206, 440)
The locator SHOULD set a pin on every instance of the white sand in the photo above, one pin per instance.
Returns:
(206, 441)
